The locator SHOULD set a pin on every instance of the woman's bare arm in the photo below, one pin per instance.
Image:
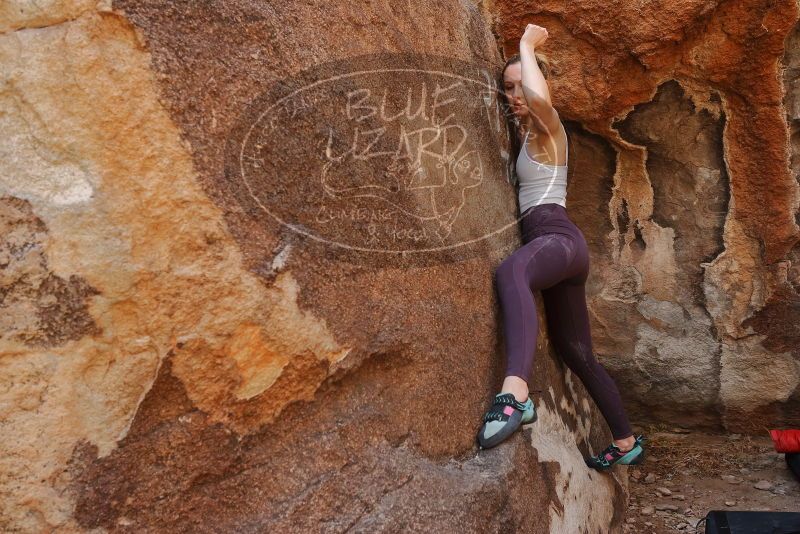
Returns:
(534, 85)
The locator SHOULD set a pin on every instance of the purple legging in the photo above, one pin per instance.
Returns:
(555, 260)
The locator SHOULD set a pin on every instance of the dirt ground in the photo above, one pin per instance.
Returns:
(686, 474)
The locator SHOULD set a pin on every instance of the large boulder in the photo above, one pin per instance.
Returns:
(175, 359)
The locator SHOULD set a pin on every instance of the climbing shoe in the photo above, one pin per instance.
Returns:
(505, 416)
(612, 456)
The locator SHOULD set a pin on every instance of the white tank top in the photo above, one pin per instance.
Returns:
(540, 183)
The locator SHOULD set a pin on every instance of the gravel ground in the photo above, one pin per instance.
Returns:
(686, 474)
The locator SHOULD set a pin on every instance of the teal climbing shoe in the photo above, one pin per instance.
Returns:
(506, 415)
(612, 455)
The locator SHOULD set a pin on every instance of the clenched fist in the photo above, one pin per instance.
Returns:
(534, 35)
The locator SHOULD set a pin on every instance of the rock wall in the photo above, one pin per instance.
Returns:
(173, 361)
(687, 113)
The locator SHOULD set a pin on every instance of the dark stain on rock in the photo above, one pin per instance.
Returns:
(623, 218)
(589, 185)
(638, 243)
(779, 321)
(60, 306)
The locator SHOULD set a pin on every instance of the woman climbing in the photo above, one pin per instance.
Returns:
(553, 259)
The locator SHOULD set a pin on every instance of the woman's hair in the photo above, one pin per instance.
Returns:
(513, 124)
(541, 59)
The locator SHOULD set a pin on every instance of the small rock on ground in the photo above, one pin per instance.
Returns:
(667, 507)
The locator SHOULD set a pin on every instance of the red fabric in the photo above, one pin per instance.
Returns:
(786, 440)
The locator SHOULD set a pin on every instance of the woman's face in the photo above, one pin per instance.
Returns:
(512, 85)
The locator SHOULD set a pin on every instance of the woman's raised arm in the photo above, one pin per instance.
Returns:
(534, 85)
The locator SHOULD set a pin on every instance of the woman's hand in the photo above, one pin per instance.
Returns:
(534, 36)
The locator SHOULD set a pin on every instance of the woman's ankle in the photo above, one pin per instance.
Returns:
(625, 444)
(517, 386)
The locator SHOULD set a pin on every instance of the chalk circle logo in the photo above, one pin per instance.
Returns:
(398, 158)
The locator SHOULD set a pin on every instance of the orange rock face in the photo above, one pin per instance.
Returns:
(687, 114)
